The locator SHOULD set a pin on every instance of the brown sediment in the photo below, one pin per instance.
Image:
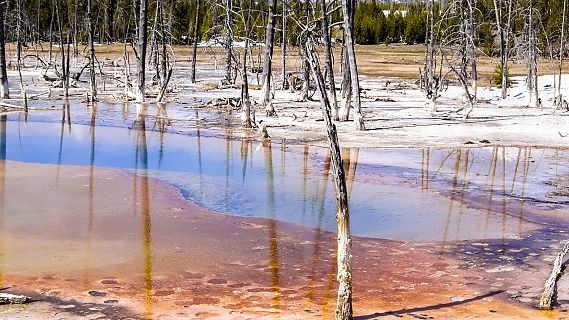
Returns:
(107, 239)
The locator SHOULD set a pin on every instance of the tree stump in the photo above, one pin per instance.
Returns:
(549, 295)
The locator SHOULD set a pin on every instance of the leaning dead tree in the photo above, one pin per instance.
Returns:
(549, 295)
(265, 97)
(4, 90)
(344, 309)
(348, 7)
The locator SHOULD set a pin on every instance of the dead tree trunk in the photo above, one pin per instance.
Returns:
(429, 77)
(245, 99)
(265, 98)
(306, 66)
(228, 42)
(92, 97)
(504, 32)
(346, 85)
(559, 95)
(110, 13)
(141, 55)
(348, 7)
(549, 295)
(195, 47)
(472, 47)
(329, 64)
(344, 306)
(531, 58)
(4, 90)
(75, 32)
(284, 43)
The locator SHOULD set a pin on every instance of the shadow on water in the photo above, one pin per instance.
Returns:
(400, 313)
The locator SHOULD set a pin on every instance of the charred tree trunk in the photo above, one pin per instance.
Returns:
(348, 7)
(329, 64)
(265, 98)
(142, 42)
(195, 46)
(4, 90)
(344, 306)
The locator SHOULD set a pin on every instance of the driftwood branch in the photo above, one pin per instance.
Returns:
(7, 298)
(549, 295)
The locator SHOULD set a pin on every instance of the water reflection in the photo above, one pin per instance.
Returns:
(3, 124)
(457, 194)
(148, 245)
(141, 170)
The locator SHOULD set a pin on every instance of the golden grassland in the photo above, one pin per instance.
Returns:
(391, 61)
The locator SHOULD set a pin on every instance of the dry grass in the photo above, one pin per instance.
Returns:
(396, 60)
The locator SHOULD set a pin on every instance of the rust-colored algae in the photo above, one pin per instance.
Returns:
(106, 237)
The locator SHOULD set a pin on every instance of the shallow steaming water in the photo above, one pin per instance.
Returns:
(402, 194)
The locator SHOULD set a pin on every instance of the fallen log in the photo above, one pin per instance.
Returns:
(7, 298)
(549, 295)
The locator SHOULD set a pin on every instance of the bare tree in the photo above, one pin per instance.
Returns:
(329, 65)
(284, 44)
(92, 96)
(344, 309)
(4, 90)
(457, 47)
(558, 94)
(245, 98)
(304, 54)
(348, 7)
(229, 79)
(346, 87)
(530, 53)
(195, 46)
(430, 61)
(142, 29)
(265, 97)
(504, 30)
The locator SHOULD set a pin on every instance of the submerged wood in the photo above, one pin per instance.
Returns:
(7, 298)
(549, 295)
